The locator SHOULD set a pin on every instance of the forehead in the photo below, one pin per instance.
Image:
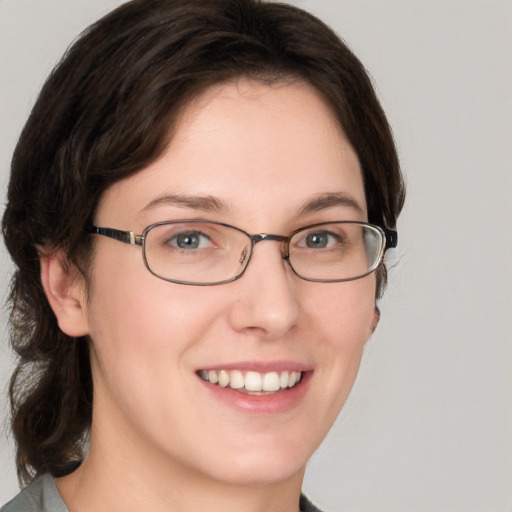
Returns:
(254, 147)
(292, 107)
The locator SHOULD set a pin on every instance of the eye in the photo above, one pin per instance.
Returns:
(319, 240)
(188, 240)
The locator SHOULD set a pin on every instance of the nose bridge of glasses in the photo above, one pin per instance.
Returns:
(261, 237)
(265, 236)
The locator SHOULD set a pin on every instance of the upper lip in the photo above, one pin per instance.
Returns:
(261, 366)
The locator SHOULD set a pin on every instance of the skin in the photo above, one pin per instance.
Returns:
(157, 433)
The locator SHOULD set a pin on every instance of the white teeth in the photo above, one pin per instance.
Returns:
(252, 381)
(271, 382)
(237, 379)
(223, 378)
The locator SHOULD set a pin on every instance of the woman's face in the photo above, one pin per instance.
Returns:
(263, 158)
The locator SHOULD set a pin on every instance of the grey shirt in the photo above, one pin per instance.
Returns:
(42, 496)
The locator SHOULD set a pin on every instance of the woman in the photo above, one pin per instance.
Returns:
(201, 369)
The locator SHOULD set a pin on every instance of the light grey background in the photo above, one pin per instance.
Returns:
(429, 424)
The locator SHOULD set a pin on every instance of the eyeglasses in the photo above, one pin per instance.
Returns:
(200, 252)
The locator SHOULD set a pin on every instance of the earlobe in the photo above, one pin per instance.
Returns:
(63, 285)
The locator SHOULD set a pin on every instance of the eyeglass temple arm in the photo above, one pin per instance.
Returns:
(126, 237)
(391, 238)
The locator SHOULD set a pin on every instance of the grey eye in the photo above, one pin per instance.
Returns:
(189, 240)
(318, 240)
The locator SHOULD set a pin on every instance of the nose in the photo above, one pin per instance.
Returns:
(265, 301)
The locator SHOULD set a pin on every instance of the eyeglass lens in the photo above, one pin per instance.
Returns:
(207, 252)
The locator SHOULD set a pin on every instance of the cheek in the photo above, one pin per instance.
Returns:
(344, 324)
(141, 326)
(143, 342)
(145, 323)
(347, 311)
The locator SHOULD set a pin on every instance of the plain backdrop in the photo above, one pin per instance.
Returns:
(428, 426)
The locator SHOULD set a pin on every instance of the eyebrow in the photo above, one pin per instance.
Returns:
(202, 203)
(213, 204)
(331, 200)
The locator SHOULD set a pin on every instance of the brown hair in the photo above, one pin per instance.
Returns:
(104, 113)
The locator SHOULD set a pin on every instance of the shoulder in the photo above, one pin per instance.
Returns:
(40, 496)
(305, 505)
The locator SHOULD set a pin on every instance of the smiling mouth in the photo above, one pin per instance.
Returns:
(252, 383)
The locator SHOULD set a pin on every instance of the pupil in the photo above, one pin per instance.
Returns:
(316, 240)
(188, 241)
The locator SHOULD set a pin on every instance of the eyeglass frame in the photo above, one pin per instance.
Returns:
(390, 238)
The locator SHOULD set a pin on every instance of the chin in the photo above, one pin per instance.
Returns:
(262, 465)
(269, 472)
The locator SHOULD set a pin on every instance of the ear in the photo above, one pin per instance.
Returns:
(375, 319)
(65, 291)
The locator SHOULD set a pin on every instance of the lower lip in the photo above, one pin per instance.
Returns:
(275, 403)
